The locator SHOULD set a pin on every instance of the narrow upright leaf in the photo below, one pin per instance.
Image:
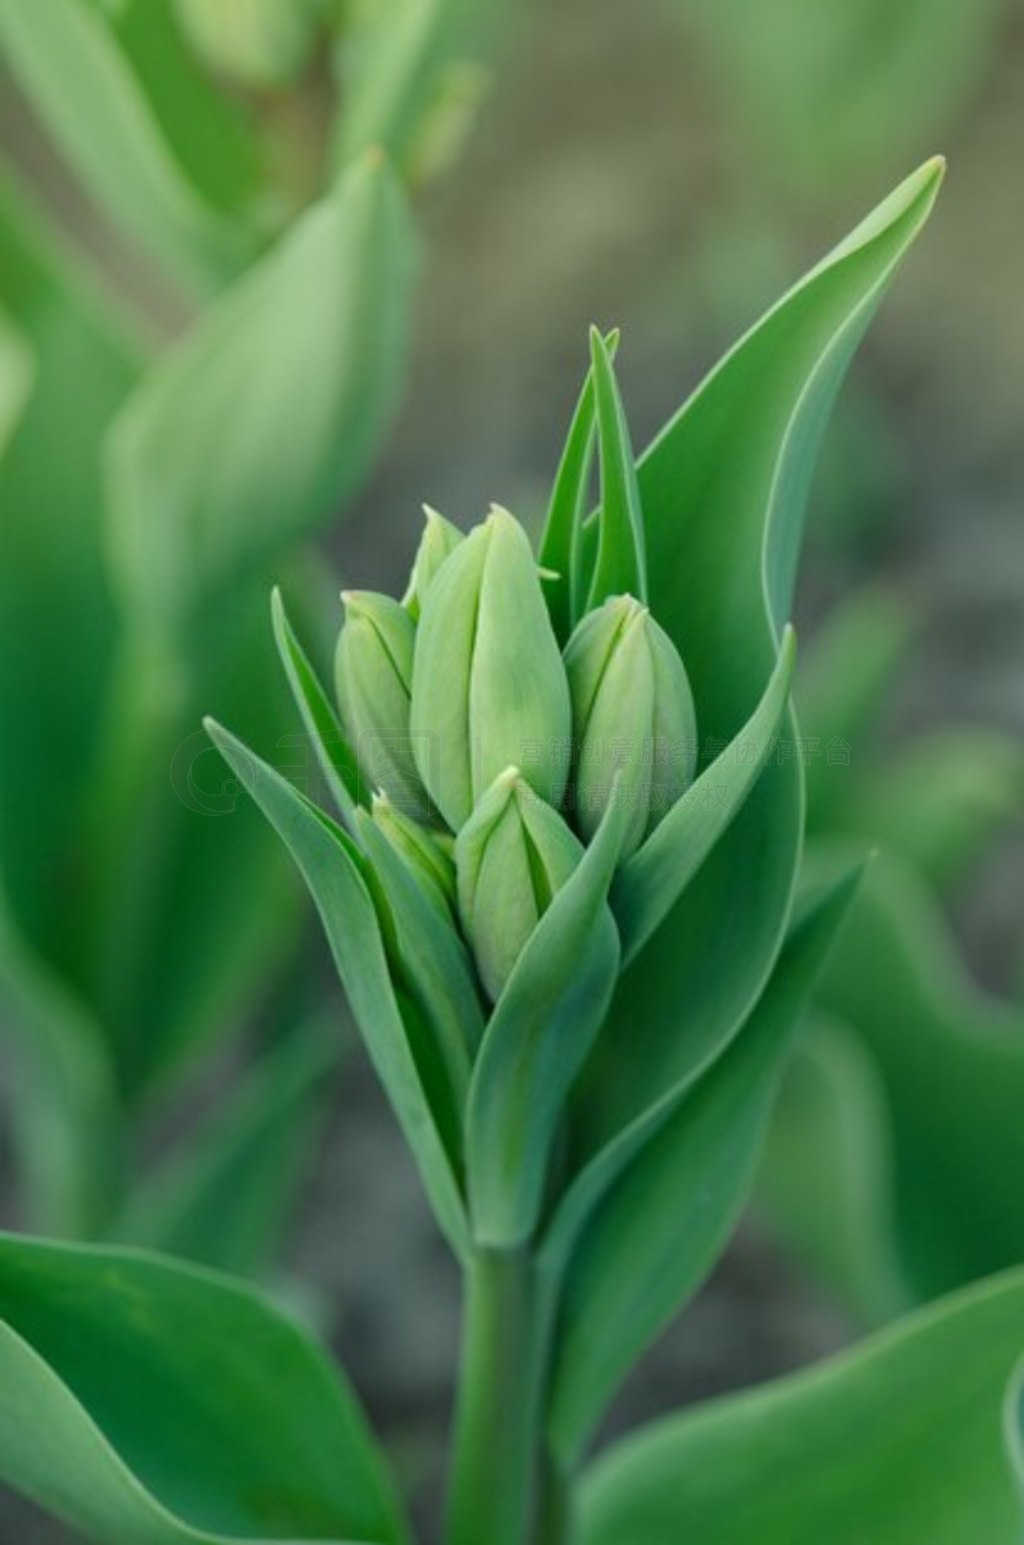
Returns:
(620, 567)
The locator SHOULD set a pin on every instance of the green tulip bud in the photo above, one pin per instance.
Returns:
(511, 857)
(632, 709)
(489, 687)
(439, 540)
(427, 854)
(373, 674)
(261, 44)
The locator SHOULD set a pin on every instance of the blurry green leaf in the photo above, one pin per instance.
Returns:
(734, 509)
(649, 885)
(942, 800)
(64, 1116)
(68, 63)
(52, 584)
(329, 864)
(824, 93)
(259, 44)
(898, 1442)
(661, 1227)
(392, 61)
(842, 692)
(538, 1038)
(620, 566)
(952, 1064)
(205, 128)
(224, 1197)
(209, 475)
(151, 1403)
(17, 374)
(826, 1181)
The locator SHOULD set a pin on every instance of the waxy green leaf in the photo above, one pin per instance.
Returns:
(151, 1403)
(207, 476)
(660, 1228)
(900, 1440)
(723, 514)
(620, 566)
(330, 865)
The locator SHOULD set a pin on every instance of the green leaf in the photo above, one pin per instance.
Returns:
(723, 489)
(211, 136)
(330, 866)
(17, 375)
(941, 801)
(537, 1040)
(123, 1375)
(64, 1114)
(209, 474)
(951, 1061)
(390, 65)
(68, 63)
(335, 757)
(649, 885)
(897, 1441)
(660, 1228)
(826, 1180)
(568, 505)
(842, 691)
(223, 1196)
(619, 567)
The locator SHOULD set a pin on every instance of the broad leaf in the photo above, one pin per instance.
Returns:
(661, 1227)
(150, 1403)
(208, 475)
(329, 864)
(723, 514)
(537, 1039)
(951, 1061)
(826, 1179)
(224, 1196)
(67, 61)
(898, 1441)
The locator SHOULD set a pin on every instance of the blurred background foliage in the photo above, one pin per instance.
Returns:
(666, 166)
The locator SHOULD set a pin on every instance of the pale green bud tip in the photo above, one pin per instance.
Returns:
(373, 676)
(439, 540)
(489, 687)
(427, 859)
(632, 711)
(254, 43)
(511, 858)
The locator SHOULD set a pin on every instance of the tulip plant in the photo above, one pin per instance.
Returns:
(169, 441)
(563, 886)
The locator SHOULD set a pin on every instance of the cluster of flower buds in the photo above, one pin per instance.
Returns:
(493, 749)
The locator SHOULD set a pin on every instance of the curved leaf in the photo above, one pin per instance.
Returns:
(207, 475)
(69, 64)
(723, 524)
(223, 1198)
(150, 1403)
(897, 1441)
(329, 864)
(662, 1226)
(951, 1061)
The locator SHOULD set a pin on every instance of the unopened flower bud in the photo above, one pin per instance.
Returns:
(489, 686)
(439, 540)
(261, 44)
(427, 854)
(632, 710)
(511, 857)
(373, 674)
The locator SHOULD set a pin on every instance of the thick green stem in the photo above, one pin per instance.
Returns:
(496, 1474)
